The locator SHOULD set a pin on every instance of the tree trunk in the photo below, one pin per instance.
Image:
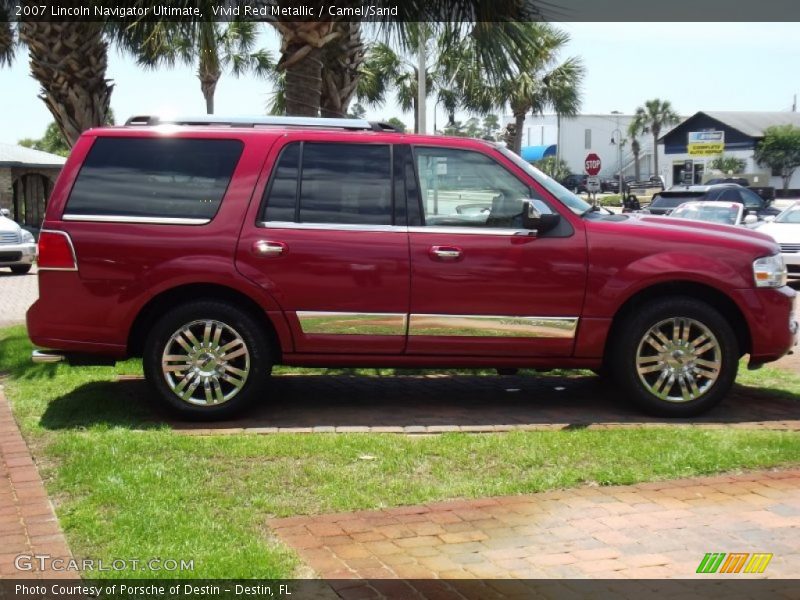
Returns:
(301, 59)
(519, 125)
(69, 61)
(341, 60)
(209, 76)
(637, 171)
(304, 85)
(656, 131)
(208, 88)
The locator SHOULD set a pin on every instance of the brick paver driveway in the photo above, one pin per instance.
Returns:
(650, 530)
(28, 525)
(17, 293)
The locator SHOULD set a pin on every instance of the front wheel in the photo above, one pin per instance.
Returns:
(21, 269)
(676, 357)
(207, 359)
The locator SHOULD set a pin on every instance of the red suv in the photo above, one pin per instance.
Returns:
(217, 248)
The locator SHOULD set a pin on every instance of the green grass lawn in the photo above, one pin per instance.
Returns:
(126, 488)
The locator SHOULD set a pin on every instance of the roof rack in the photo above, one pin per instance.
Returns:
(353, 124)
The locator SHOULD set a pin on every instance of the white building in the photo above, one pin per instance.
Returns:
(575, 137)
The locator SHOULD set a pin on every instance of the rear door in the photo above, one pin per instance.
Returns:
(325, 244)
(481, 284)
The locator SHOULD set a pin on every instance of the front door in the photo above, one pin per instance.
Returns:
(325, 246)
(481, 285)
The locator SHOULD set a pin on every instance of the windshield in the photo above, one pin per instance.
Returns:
(725, 215)
(570, 200)
(790, 215)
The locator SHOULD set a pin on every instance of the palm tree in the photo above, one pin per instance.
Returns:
(341, 62)
(385, 70)
(302, 60)
(69, 60)
(636, 149)
(491, 26)
(212, 46)
(457, 62)
(541, 82)
(653, 117)
(7, 38)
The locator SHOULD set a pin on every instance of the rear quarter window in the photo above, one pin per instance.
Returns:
(154, 178)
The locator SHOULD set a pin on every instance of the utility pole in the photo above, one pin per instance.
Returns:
(618, 133)
(422, 93)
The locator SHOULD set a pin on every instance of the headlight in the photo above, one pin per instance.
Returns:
(27, 237)
(769, 271)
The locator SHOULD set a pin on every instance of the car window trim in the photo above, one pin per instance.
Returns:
(493, 231)
(137, 219)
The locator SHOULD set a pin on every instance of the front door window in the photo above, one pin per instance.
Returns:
(461, 188)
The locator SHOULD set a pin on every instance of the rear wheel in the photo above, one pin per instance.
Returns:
(676, 357)
(207, 359)
(21, 269)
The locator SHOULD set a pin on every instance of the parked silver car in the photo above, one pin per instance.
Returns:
(17, 246)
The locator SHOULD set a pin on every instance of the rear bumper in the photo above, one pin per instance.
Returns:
(72, 358)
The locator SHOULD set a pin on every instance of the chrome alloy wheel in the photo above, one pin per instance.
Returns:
(205, 362)
(678, 359)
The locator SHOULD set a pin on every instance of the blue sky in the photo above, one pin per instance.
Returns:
(697, 66)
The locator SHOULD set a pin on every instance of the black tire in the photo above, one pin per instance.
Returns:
(21, 269)
(507, 371)
(236, 327)
(707, 391)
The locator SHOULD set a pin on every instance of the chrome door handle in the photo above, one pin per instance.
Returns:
(445, 252)
(268, 248)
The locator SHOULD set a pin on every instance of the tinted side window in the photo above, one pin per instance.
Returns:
(751, 199)
(346, 183)
(154, 177)
(729, 195)
(282, 191)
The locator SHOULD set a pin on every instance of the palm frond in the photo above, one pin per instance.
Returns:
(277, 102)
(8, 38)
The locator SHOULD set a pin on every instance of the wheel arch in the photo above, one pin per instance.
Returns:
(698, 291)
(167, 299)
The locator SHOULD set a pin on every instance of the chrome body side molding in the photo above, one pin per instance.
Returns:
(352, 323)
(493, 326)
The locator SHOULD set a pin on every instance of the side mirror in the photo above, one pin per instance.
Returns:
(538, 216)
(750, 219)
(4, 212)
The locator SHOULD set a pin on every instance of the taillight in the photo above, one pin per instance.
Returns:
(56, 252)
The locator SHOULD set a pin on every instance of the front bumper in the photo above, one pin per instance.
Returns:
(792, 261)
(12, 255)
(771, 319)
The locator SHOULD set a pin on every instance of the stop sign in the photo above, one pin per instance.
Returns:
(592, 164)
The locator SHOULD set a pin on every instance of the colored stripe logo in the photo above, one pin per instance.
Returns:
(734, 562)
